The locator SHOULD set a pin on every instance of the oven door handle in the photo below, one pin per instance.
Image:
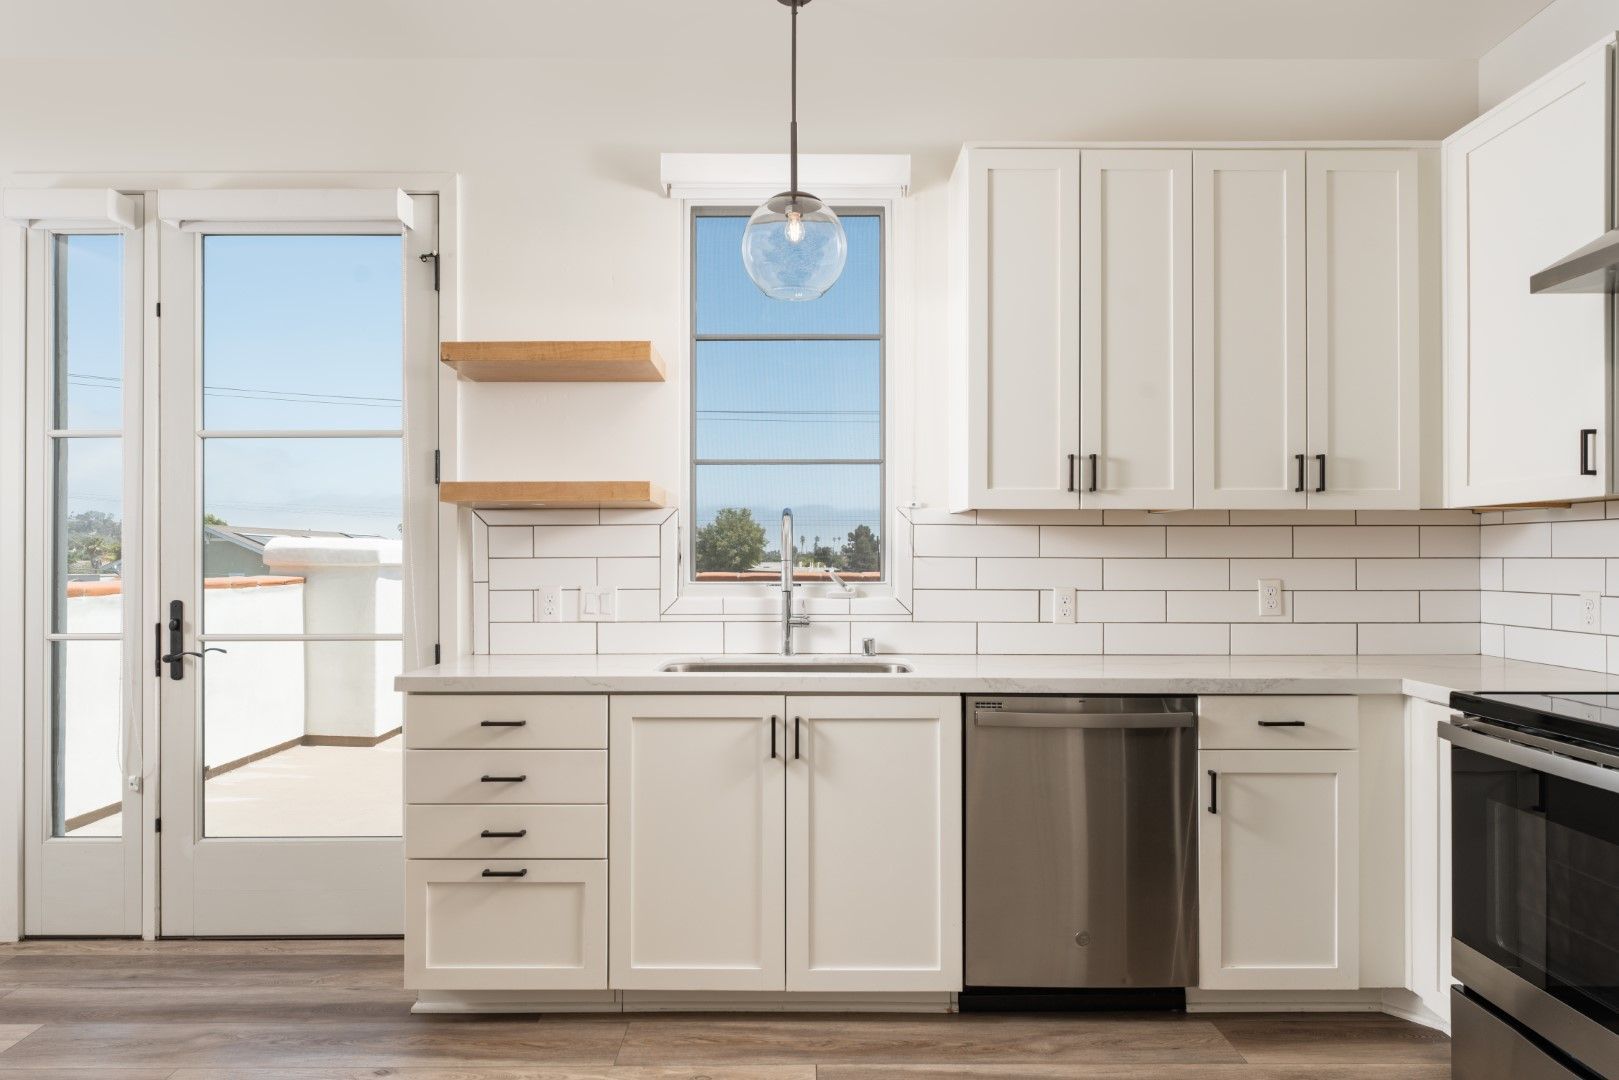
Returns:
(1569, 768)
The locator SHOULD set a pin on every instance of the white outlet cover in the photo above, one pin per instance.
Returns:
(548, 604)
(1062, 605)
(1270, 596)
(1591, 611)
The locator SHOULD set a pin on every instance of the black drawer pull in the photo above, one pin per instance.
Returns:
(490, 834)
(506, 873)
(1214, 792)
(1281, 723)
(503, 723)
(487, 779)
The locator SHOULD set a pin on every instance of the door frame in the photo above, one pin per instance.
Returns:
(452, 560)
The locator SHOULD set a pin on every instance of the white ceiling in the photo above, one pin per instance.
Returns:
(708, 30)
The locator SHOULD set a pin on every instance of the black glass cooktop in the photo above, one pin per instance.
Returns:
(1590, 719)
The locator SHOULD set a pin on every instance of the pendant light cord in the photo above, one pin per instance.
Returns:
(793, 127)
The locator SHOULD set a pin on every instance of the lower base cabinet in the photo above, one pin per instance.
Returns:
(785, 843)
(509, 924)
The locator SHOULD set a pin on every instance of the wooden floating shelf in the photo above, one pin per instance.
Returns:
(554, 361)
(553, 494)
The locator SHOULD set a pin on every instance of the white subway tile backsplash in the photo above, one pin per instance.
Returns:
(1585, 539)
(515, 606)
(1355, 607)
(1166, 517)
(1554, 575)
(630, 573)
(480, 617)
(1448, 541)
(511, 541)
(1227, 607)
(638, 605)
(1291, 639)
(1038, 574)
(1166, 639)
(1102, 541)
(661, 637)
(1105, 607)
(480, 549)
(1231, 541)
(1292, 517)
(1032, 638)
(1358, 541)
(1413, 517)
(1416, 573)
(1489, 574)
(1460, 606)
(975, 605)
(538, 573)
(507, 639)
(1492, 640)
(1516, 609)
(1294, 573)
(765, 637)
(1168, 574)
(1589, 651)
(975, 540)
(540, 517)
(595, 541)
(1530, 541)
(1416, 638)
(944, 573)
(901, 638)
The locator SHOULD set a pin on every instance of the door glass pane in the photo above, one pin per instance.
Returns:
(302, 332)
(89, 331)
(788, 399)
(89, 552)
(86, 729)
(301, 738)
(302, 536)
(837, 516)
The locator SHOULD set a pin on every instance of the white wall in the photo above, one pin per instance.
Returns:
(563, 230)
(1557, 33)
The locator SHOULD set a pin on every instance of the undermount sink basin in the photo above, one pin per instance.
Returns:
(789, 665)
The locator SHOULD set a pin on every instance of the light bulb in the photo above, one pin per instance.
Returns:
(794, 247)
(795, 226)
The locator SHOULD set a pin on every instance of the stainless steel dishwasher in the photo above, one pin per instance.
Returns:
(1081, 846)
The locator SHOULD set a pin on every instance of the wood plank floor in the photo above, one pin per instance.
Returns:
(334, 1010)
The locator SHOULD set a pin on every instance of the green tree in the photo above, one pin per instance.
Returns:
(862, 552)
(732, 541)
(213, 519)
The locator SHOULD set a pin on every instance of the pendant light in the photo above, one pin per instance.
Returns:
(794, 247)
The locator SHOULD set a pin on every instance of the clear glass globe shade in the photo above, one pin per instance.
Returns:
(794, 247)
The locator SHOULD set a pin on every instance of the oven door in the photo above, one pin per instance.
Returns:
(1535, 886)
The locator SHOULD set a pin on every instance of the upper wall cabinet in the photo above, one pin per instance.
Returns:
(1529, 383)
(1163, 328)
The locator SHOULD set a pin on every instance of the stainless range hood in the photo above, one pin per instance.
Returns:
(1594, 268)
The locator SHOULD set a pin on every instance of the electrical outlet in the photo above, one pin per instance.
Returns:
(548, 604)
(598, 603)
(1591, 611)
(1270, 596)
(1062, 605)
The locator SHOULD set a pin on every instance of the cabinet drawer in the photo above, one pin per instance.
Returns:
(519, 721)
(538, 924)
(1278, 723)
(548, 832)
(505, 776)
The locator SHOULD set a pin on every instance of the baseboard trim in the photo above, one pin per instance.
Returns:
(361, 741)
(90, 817)
(648, 1001)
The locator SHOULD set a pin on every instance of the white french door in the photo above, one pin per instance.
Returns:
(297, 540)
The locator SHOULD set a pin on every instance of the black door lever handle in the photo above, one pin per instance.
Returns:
(169, 658)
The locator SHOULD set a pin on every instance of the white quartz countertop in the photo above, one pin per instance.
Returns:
(1430, 677)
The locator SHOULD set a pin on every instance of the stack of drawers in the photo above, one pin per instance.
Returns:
(506, 841)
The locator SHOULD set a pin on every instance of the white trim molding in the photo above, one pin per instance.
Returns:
(759, 176)
(193, 210)
(62, 209)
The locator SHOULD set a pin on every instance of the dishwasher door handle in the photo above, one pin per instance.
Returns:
(1116, 721)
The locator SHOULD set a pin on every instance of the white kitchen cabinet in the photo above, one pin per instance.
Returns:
(1278, 870)
(696, 807)
(1363, 417)
(1015, 359)
(1529, 394)
(1249, 297)
(874, 843)
(1135, 287)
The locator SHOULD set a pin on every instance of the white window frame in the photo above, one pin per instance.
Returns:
(453, 556)
(892, 596)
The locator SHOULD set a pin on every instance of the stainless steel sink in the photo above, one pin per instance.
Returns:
(785, 665)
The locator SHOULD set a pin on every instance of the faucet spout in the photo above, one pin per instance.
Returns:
(788, 558)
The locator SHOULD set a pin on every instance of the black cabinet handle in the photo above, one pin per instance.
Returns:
(1300, 459)
(1321, 476)
(1214, 792)
(506, 873)
(1073, 460)
(502, 723)
(1093, 472)
(1281, 723)
(798, 737)
(490, 834)
(772, 738)
(1588, 438)
(487, 779)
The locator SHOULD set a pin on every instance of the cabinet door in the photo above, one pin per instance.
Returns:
(1525, 185)
(874, 843)
(1249, 308)
(1364, 423)
(1136, 329)
(1016, 384)
(696, 844)
(1278, 870)
(502, 924)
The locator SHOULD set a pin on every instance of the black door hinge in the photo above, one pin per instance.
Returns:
(432, 257)
(157, 824)
(435, 652)
(436, 463)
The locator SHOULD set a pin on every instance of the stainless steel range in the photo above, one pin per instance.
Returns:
(1535, 885)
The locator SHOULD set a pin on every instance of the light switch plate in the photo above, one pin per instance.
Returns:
(548, 604)
(1270, 596)
(598, 603)
(1062, 605)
